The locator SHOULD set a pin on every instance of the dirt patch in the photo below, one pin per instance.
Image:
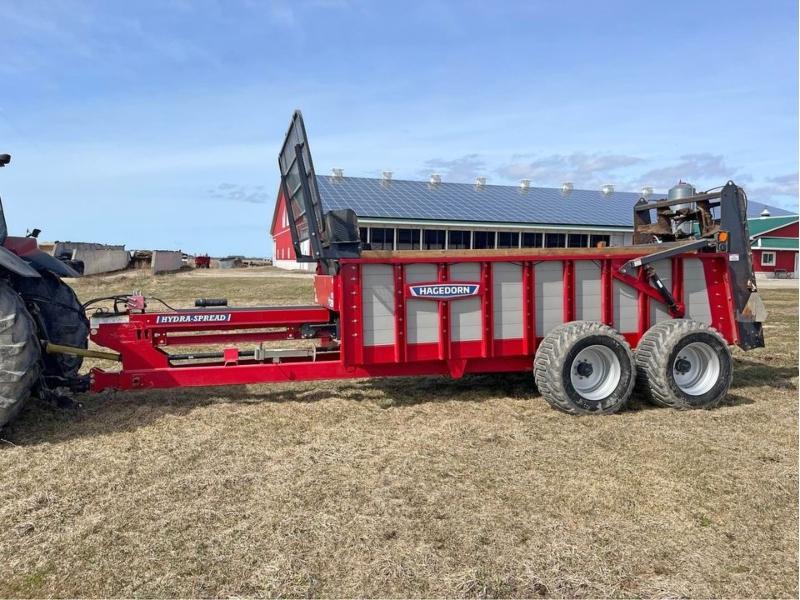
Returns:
(407, 487)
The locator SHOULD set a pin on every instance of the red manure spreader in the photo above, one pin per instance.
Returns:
(590, 324)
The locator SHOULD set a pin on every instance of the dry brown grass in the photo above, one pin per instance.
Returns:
(421, 487)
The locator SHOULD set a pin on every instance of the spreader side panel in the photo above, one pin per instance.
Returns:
(507, 300)
(626, 308)
(465, 314)
(422, 316)
(549, 294)
(378, 304)
(588, 296)
(695, 291)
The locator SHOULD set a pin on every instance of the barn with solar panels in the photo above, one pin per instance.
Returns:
(395, 214)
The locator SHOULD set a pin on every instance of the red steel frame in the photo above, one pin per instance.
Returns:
(141, 338)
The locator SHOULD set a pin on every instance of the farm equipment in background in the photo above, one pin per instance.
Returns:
(588, 323)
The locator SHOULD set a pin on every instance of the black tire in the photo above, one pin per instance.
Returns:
(63, 319)
(561, 357)
(20, 353)
(658, 364)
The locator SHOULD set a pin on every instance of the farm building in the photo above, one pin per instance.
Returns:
(96, 258)
(774, 240)
(410, 215)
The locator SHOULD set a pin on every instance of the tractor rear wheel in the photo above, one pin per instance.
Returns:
(19, 353)
(63, 319)
(683, 364)
(584, 368)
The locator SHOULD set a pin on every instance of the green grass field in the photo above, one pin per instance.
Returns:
(406, 487)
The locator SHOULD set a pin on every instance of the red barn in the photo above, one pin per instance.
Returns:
(775, 245)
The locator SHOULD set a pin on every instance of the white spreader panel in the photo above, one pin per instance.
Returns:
(422, 316)
(588, 289)
(626, 308)
(465, 314)
(377, 296)
(549, 278)
(507, 300)
(695, 291)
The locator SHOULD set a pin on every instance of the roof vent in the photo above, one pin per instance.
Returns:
(338, 173)
(566, 188)
(607, 189)
(386, 176)
(646, 192)
(524, 184)
(435, 179)
(765, 213)
(480, 182)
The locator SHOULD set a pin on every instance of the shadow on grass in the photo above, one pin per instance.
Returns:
(113, 412)
(748, 373)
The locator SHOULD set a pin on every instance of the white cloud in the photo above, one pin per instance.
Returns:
(464, 169)
(694, 168)
(584, 169)
(253, 194)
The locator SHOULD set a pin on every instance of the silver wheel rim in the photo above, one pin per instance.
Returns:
(595, 373)
(696, 369)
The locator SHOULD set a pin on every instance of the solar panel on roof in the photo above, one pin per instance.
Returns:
(420, 200)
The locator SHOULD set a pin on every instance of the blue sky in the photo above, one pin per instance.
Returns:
(157, 124)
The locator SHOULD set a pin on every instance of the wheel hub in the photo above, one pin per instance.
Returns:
(595, 372)
(696, 368)
(585, 369)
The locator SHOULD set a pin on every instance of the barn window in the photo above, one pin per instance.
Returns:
(596, 239)
(363, 231)
(554, 240)
(767, 259)
(482, 239)
(507, 239)
(458, 239)
(531, 240)
(433, 239)
(408, 239)
(577, 240)
(382, 238)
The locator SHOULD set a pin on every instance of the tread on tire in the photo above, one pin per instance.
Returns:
(656, 357)
(20, 353)
(555, 363)
(63, 319)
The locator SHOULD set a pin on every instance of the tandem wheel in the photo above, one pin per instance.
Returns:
(683, 364)
(585, 368)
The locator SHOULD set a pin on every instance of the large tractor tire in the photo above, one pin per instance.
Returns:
(20, 353)
(683, 364)
(62, 317)
(584, 368)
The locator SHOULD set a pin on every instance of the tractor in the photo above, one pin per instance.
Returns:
(37, 307)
